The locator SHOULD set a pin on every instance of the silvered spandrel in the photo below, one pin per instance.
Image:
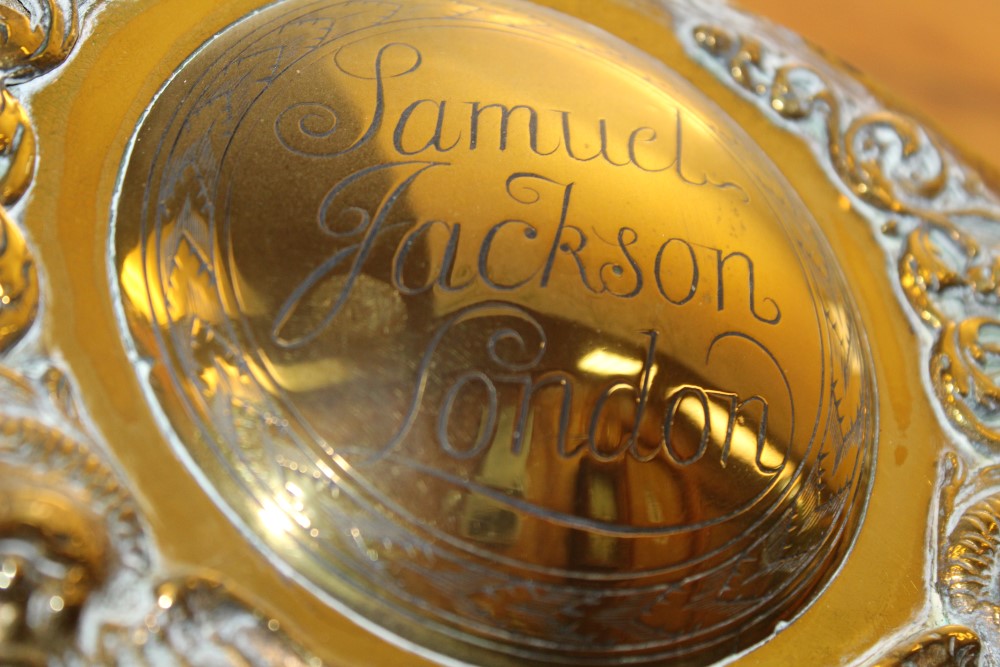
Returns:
(496, 331)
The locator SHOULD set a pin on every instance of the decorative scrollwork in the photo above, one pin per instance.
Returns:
(971, 559)
(969, 551)
(198, 622)
(950, 646)
(76, 562)
(936, 219)
(968, 559)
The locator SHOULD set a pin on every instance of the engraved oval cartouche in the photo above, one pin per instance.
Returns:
(497, 333)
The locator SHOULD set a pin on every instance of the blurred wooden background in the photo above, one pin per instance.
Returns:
(940, 58)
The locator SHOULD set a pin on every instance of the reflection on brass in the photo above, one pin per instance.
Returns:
(485, 358)
(17, 147)
(466, 332)
(18, 276)
(33, 42)
(950, 277)
(952, 646)
(18, 283)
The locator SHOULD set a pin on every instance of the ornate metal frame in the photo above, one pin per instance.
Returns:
(80, 574)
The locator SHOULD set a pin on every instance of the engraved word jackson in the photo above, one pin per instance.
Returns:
(509, 260)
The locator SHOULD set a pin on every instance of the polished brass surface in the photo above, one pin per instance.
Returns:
(532, 385)
(554, 376)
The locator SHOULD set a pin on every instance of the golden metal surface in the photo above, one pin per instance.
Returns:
(467, 331)
(459, 345)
